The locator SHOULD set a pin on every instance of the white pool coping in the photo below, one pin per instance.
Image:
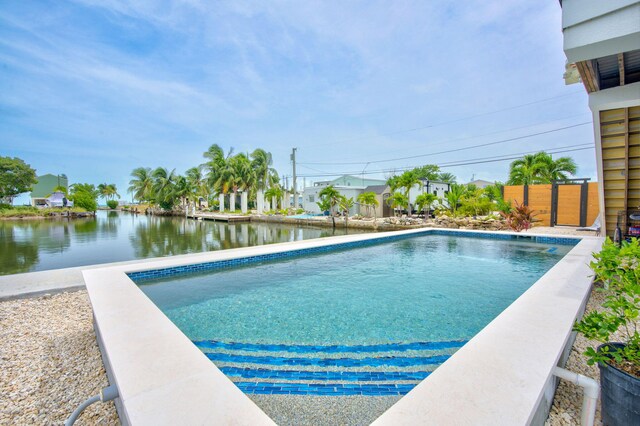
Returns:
(499, 377)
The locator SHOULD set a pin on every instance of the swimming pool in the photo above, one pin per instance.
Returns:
(372, 321)
(164, 378)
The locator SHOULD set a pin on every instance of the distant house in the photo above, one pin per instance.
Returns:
(349, 186)
(383, 192)
(348, 180)
(439, 189)
(479, 183)
(45, 187)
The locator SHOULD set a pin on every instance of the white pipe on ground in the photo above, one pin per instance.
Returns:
(591, 391)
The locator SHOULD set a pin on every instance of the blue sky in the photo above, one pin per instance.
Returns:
(94, 89)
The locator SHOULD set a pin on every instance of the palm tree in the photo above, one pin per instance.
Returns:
(525, 170)
(453, 197)
(408, 180)
(244, 176)
(164, 187)
(219, 173)
(555, 169)
(183, 189)
(142, 184)
(446, 177)
(540, 168)
(424, 202)
(397, 200)
(198, 182)
(370, 200)
(332, 195)
(274, 192)
(345, 204)
(108, 191)
(261, 162)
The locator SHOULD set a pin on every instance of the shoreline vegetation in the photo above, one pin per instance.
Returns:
(28, 212)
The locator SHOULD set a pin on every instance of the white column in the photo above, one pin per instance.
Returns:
(232, 201)
(244, 198)
(286, 201)
(267, 206)
(274, 203)
(260, 201)
(221, 199)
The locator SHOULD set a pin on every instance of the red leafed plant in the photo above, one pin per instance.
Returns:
(520, 217)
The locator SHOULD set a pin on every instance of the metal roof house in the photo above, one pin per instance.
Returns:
(602, 42)
(46, 186)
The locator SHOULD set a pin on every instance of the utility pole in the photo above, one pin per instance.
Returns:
(295, 189)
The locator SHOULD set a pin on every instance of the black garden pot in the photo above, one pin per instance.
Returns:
(620, 395)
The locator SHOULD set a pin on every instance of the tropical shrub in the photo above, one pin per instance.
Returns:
(475, 202)
(398, 201)
(112, 204)
(425, 201)
(618, 267)
(85, 200)
(85, 196)
(324, 205)
(369, 200)
(520, 217)
(454, 195)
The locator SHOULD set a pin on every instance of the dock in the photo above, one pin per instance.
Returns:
(231, 218)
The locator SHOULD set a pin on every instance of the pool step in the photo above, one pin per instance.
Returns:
(320, 389)
(351, 376)
(329, 362)
(370, 370)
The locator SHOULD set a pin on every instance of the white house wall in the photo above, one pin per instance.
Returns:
(595, 28)
(314, 192)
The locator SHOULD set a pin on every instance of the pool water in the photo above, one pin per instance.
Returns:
(372, 321)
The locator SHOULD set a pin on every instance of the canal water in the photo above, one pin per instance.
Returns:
(38, 245)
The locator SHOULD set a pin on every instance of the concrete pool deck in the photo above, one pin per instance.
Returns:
(153, 363)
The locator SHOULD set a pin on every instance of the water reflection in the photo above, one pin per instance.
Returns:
(34, 245)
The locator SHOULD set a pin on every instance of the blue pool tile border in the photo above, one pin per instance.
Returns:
(331, 389)
(346, 376)
(328, 362)
(384, 347)
(141, 276)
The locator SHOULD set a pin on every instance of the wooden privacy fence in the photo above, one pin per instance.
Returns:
(568, 203)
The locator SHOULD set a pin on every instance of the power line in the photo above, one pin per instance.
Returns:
(558, 150)
(457, 120)
(444, 141)
(463, 148)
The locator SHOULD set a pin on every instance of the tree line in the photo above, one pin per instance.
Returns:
(220, 173)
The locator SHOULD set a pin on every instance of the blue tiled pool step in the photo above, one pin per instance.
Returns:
(346, 376)
(395, 347)
(324, 389)
(330, 362)
(328, 370)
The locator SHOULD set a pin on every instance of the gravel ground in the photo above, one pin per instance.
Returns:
(50, 361)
